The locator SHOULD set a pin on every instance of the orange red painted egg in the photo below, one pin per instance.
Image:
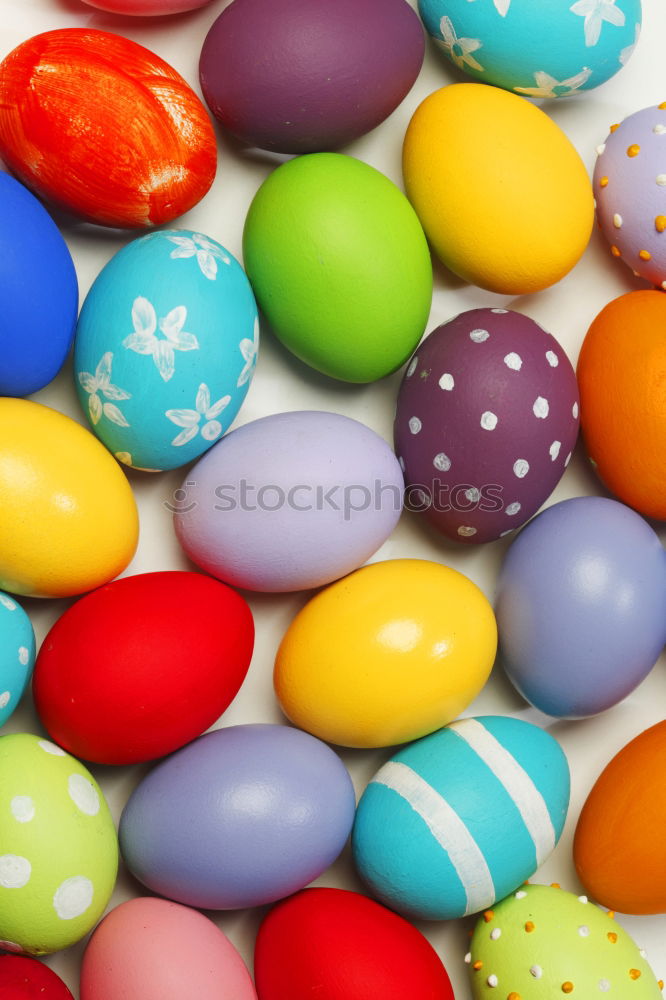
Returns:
(104, 128)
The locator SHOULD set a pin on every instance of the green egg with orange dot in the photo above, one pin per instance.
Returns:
(541, 943)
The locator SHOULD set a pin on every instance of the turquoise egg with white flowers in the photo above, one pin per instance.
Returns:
(459, 819)
(165, 349)
(17, 654)
(536, 48)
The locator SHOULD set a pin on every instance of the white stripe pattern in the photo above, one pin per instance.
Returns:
(516, 781)
(448, 830)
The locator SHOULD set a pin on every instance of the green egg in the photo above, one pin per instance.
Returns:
(58, 847)
(340, 266)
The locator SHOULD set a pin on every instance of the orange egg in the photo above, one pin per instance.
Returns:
(619, 842)
(622, 380)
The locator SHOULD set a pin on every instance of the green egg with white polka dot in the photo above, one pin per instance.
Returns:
(542, 942)
(58, 847)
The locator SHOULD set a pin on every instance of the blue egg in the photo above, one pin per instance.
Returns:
(459, 819)
(39, 294)
(166, 347)
(17, 654)
(537, 48)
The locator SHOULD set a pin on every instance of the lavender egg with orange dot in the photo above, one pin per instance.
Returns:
(630, 191)
(486, 421)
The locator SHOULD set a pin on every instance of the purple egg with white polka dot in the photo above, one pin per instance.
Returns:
(486, 422)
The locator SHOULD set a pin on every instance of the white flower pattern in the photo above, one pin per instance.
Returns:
(595, 13)
(249, 349)
(145, 341)
(190, 420)
(100, 384)
(627, 52)
(501, 6)
(206, 252)
(459, 50)
(548, 86)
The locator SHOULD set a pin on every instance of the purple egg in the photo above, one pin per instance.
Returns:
(486, 421)
(629, 181)
(301, 76)
(240, 817)
(289, 502)
(581, 606)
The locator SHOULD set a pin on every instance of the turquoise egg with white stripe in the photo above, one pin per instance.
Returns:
(17, 654)
(460, 818)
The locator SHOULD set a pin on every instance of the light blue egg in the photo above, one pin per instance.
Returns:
(17, 654)
(165, 348)
(537, 48)
(459, 819)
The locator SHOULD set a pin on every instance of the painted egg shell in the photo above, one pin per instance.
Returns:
(390, 653)
(516, 228)
(340, 266)
(165, 350)
(142, 666)
(23, 978)
(141, 157)
(622, 399)
(40, 292)
(68, 518)
(543, 942)
(157, 950)
(619, 844)
(547, 49)
(290, 501)
(340, 945)
(324, 74)
(17, 654)
(629, 183)
(486, 421)
(461, 818)
(580, 606)
(59, 848)
(144, 8)
(272, 807)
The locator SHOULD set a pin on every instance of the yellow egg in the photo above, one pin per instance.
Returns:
(390, 653)
(68, 520)
(502, 194)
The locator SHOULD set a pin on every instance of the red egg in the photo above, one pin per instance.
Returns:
(333, 944)
(24, 978)
(104, 128)
(142, 666)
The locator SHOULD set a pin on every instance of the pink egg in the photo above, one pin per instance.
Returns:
(158, 950)
(145, 8)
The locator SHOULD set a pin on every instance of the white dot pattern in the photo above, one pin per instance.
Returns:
(513, 508)
(601, 149)
(446, 382)
(604, 985)
(415, 425)
(521, 894)
(488, 420)
(73, 897)
(23, 655)
(495, 934)
(412, 366)
(51, 748)
(661, 180)
(552, 359)
(4, 699)
(659, 129)
(521, 467)
(536, 971)
(540, 408)
(492, 981)
(574, 411)
(473, 495)
(15, 871)
(442, 462)
(583, 899)
(468, 958)
(466, 530)
(499, 312)
(83, 794)
(584, 930)
(554, 450)
(513, 361)
(478, 336)
(617, 220)
(22, 808)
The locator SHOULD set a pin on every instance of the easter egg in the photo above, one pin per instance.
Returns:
(340, 266)
(516, 226)
(272, 807)
(115, 686)
(343, 945)
(17, 654)
(628, 184)
(157, 950)
(622, 399)
(324, 74)
(580, 606)
(543, 942)
(23, 978)
(145, 8)
(39, 292)
(462, 817)
(618, 846)
(486, 421)
(393, 651)
(59, 848)
(141, 156)
(289, 502)
(539, 50)
(68, 519)
(165, 350)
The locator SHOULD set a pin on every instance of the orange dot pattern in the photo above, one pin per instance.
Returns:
(645, 255)
(635, 973)
(603, 182)
(660, 223)
(612, 937)
(615, 127)
(615, 251)
(488, 916)
(567, 987)
(634, 149)
(529, 926)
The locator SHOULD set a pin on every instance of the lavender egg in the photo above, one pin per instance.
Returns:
(486, 421)
(629, 182)
(301, 76)
(289, 502)
(271, 807)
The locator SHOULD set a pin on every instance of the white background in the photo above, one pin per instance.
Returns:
(281, 383)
